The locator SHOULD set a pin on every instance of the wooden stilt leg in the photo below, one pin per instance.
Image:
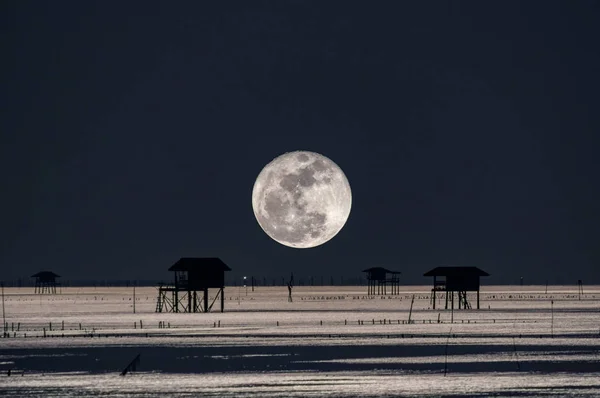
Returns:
(205, 300)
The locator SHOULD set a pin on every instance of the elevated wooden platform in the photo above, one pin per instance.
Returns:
(175, 299)
(461, 280)
(378, 280)
(192, 277)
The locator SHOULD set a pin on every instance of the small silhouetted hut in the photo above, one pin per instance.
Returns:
(456, 279)
(378, 278)
(45, 282)
(192, 277)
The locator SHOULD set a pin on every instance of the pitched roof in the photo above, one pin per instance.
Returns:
(45, 274)
(456, 271)
(381, 269)
(188, 263)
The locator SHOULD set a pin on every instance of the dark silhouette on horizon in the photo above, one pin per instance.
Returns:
(290, 286)
(191, 276)
(45, 282)
(378, 280)
(456, 279)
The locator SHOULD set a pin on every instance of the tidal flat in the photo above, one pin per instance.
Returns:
(330, 341)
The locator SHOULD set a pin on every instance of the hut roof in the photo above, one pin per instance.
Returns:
(381, 269)
(45, 274)
(456, 271)
(189, 263)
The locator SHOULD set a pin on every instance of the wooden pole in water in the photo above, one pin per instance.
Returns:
(446, 353)
(516, 355)
(411, 307)
(3, 310)
(552, 319)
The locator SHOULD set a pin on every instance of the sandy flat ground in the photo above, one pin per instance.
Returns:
(332, 340)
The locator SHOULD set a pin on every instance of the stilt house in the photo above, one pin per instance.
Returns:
(378, 279)
(455, 279)
(192, 277)
(45, 282)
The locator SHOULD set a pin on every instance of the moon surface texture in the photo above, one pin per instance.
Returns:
(301, 199)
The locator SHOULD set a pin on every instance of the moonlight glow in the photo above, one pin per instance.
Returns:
(301, 199)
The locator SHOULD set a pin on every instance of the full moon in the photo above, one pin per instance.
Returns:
(301, 199)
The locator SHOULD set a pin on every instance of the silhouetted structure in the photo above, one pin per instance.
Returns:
(191, 277)
(45, 282)
(132, 367)
(378, 278)
(290, 286)
(456, 279)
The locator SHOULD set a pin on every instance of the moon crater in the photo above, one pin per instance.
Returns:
(301, 199)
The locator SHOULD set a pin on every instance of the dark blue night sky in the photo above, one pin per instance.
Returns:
(131, 134)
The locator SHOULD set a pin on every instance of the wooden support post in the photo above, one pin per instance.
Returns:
(477, 298)
(205, 299)
(452, 310)
(222, 298)
(446, 298)
(189, 306)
